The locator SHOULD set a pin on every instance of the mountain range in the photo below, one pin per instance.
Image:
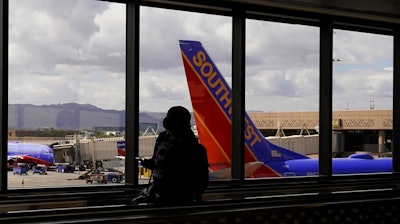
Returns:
(71, 116)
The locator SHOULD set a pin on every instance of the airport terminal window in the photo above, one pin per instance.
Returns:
(77, 82)
(164, 82)
(282, 79)
(362, 99)
(67, 90)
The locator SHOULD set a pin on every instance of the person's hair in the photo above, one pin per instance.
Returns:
(177, 116)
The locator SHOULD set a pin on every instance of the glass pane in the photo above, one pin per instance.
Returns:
(282, 79)
(66, 92)
(164, 83)
(362, 101)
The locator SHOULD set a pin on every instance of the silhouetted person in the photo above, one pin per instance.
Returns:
(179, 163)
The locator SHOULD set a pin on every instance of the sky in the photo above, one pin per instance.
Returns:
(73, 51)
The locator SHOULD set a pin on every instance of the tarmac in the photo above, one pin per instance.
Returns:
(54, 179)
(51, 179)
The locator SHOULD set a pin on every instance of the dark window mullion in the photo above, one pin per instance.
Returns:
(396, 100)
(132, 91)
(4, 92)
(325, 99)
(238, 89)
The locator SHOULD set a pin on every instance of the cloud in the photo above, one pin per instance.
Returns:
(357, 88)
(363, 72)
(68, 51)
(74, 51)
(361, 48)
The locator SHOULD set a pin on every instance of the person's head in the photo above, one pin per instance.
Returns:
(178, 118)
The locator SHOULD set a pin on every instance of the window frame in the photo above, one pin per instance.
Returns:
(239, 12)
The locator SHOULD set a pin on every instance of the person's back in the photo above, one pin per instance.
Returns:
(179, 163)
(199, 170)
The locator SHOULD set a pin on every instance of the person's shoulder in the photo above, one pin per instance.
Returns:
(200, 146)
(163, 135)
(199, 149)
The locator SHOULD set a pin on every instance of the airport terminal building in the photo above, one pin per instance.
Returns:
(358, 130)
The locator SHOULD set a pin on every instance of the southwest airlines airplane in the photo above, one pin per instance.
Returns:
(211, 99)
(30, 153)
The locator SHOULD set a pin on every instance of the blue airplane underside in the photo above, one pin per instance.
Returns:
(309, 167)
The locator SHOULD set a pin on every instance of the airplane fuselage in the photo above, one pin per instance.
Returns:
(211, 99)
(30, 153)
(309, 167)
